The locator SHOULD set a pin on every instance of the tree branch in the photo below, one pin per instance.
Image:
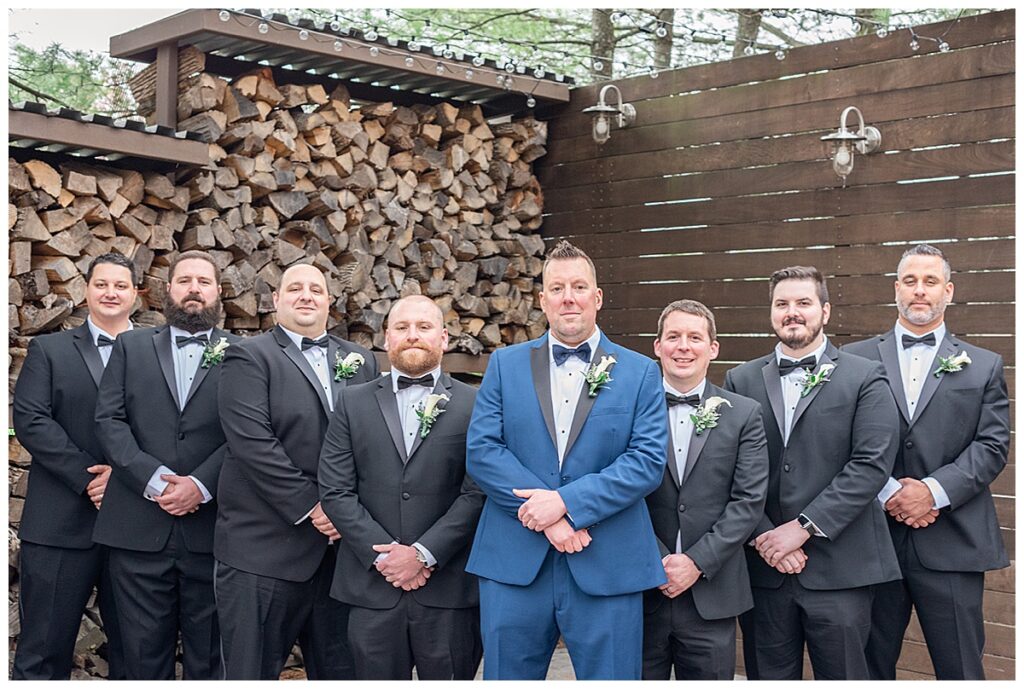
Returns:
(38, 94)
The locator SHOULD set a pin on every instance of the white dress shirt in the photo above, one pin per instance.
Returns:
(94, 332)
(681, 427)
(915, 367)
(317, 358)
(186, 364)
(566, 386)
(793, 384)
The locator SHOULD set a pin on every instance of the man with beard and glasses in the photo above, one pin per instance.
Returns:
(954, 427)
(274, 545)
(822, 543)
(54, 403)
(406, 508)
(157, 422)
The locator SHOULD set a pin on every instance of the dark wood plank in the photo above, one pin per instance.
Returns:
(1002, 579)
(966, 127)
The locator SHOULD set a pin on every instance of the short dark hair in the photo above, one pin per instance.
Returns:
(564, 251)
(800, 273)
(194, 254)
(925, 250)
(692, 307)
(115, 259)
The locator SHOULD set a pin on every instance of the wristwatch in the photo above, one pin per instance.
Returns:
(420, 557)
(807, 525)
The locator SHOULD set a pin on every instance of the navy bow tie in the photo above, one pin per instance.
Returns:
(104, 341)
(673, 400)
(786, 366)
(562, 354)
(308, 343)
(182, 340)
(910, 340)
(426, 381)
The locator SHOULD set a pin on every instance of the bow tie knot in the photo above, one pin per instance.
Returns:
(426, 381)
(673, 400)
(104, 341)
(309, 343)
(563, 354)
(787, 366)
(182, 340)
(910, 340)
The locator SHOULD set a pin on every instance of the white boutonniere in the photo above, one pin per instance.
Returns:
(347, 367)
(428, 412)
(213, 353)
(813, 380)
(598, 374)
(706, 415)
(952, 364)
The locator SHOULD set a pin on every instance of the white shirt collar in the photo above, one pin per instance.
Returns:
(435, 373)
(296, 338)
(779, 356)
(697, 390)
(900, 331)
(95, 331)
(176, 331)
(594, 340)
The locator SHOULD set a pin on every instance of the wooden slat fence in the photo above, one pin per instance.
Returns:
(723, 179)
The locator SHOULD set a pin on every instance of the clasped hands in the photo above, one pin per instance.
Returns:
(181, 495)
(98, 486)
(544, 511)
(782, 547)
(401, 568)
(913, 504)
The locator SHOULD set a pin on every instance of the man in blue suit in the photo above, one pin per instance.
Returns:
(567, 437)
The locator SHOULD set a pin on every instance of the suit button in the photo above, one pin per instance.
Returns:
(406, 496)
(181, 436)
(785, 467)
(682, 508)
(909, 444)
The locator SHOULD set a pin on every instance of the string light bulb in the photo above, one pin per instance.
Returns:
(304, 35)
(943, 47)
(338, 45)
(371, 35)
(531, 102)
(661, 31)
(780, 54)
(914, 45)
(882, 32)
(263, 27)
(374, 51)
(224, 15)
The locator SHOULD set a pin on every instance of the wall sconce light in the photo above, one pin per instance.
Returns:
(844, 143)
(624, 114)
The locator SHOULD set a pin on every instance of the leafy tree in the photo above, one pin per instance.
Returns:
(82, 80)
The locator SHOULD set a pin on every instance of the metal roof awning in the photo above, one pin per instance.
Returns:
(386, 70)
(33, 127)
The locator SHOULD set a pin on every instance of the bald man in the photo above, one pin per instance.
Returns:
(274, 547)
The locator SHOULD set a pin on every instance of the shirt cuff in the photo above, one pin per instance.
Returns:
(382, 556)
(431, 560)
(306, 516)
(202, 489)
(156, 485)
(938, 492)
(888, 490)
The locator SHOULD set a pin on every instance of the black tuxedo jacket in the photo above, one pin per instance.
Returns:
(840, 453)
(140, 428)
(715, 506)
(54, 401)
(275, 415)
(960, 435)
(374, 494)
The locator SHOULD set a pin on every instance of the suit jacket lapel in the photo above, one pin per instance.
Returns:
(540, 367)
(773, 386)
(162, 343)
(583, 405)
(948, 348)
(887, 350)
(201, 372)
(87, 348)
(297, 357)
(441, 387)
(827, 357)
(697, 441)
(389, 408)
(671, 463)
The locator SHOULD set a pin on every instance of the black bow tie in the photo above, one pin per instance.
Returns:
(182, 340)
(562, 354)
(910, 340)
(673, 400)
(308, 343)
(104, 341)
(426, 381)
(788, 365)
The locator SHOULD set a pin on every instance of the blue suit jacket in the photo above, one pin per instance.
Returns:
(614, 457)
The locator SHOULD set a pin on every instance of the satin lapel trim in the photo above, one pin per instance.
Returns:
(697, 441)
(201, 372)
(671, 463)
(583, 406)
(389, 408)
(162, 343)
(442, 386)
(773, 386)
(299, 360)
(804, 402)
(931, 383)
(90, 354)
(540, 368)
(887, 350)
(332, 355)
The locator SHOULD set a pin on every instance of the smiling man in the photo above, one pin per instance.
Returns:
(567, 437)
(273, 544)
(830, 423)
(954, 438)
(709, 501)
